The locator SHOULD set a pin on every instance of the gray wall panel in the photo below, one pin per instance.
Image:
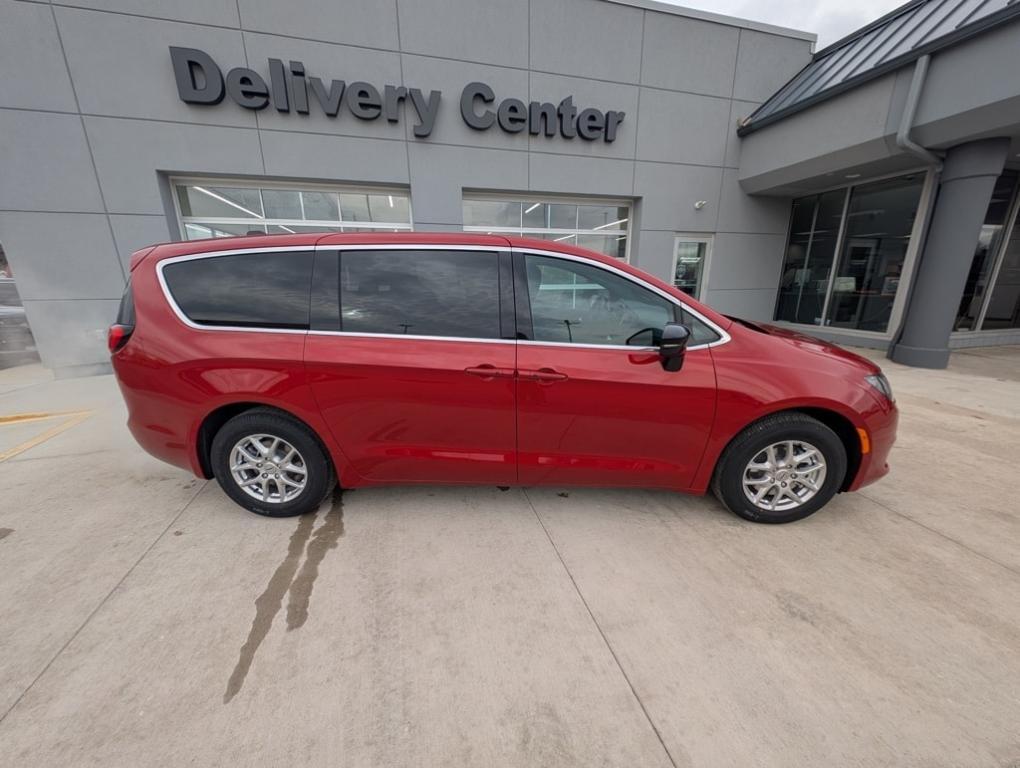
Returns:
(440, 173)
(682, 128)
(356, 22)
(35, 76)
(687, 55)
(130, 153)
(587, 39)
(586, 93)
(450, 77)
(327, 61)
(581, 175)
(496, 33)
(336, 158)
(72, 333)
(135, 231)
(654, 253)
(738, 111)
(130, 74)
(220, 12)
(739, 212)
(668, 193)
(62, 255)
(746, 261)
(766, 62)
(44, 163)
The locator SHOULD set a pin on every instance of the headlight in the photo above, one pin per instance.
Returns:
(881, 383)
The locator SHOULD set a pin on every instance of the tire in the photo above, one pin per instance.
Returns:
(801, 479)
(264, 425)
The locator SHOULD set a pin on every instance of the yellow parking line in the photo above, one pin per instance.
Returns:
(74, 418)
(21, 418)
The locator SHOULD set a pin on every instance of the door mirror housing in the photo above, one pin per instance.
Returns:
(673, 346)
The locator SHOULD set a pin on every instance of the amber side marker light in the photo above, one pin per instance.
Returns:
(865, 440)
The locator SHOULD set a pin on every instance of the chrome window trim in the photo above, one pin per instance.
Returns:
(724, 337)
(418, 337)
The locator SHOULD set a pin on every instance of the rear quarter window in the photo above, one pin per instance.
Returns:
(249, 290)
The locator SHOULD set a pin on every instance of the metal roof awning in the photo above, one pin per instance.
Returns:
(899, 37)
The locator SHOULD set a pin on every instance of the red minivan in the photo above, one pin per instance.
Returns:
(281, 365)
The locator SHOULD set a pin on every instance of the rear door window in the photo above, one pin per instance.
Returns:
(248, 290)
(420, 293)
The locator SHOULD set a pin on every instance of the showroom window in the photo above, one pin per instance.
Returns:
(846, 252)
(991, 295)
(598, 226)
(215, 209)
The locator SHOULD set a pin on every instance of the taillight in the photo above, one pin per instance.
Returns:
(118, 336)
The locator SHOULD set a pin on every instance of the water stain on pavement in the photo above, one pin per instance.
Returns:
(286, 578)
(5, 532)
(326, 537)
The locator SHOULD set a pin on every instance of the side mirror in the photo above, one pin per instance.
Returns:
(673, 346)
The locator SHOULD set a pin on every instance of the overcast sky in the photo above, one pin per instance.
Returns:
(829, 19)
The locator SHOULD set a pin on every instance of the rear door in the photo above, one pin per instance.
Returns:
(415, 374)
(594, 405)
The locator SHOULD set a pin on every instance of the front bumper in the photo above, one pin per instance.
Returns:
(881, 426)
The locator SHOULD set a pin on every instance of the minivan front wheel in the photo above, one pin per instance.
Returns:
(271, 464)
(780, 469)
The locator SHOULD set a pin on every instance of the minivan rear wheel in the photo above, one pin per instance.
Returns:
(780, 469)
(271, 464)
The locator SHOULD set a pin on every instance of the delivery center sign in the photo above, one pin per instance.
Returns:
(291, 88)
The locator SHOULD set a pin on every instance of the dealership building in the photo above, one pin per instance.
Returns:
(867, 192)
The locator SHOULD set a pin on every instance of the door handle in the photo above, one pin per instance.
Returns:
(488, 372)
(544, 375)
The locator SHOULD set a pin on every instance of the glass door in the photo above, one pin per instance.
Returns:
(690, 263)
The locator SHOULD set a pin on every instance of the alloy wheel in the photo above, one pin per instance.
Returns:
(784, 476)
(268, 468)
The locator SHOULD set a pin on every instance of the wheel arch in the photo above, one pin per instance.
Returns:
(844, 428)
(215, 419)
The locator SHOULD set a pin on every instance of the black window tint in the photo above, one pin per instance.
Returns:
(700, 333)
(422, 293)
(265, 290)
(577, 303)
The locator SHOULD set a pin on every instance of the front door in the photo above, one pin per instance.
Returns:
(417, 384)
(594, 405)
(690, 263)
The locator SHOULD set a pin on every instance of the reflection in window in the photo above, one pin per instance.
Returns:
(212, 210)
(598, 227)
(975, 291)
(814, 230)
(1003, 310)
(575, 303)
(420, 293)
(879, 221)
(689, 264)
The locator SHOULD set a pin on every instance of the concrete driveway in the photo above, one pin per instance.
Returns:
(146, 620)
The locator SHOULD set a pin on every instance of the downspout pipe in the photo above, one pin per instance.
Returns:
(934, 161)
(903, 140)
